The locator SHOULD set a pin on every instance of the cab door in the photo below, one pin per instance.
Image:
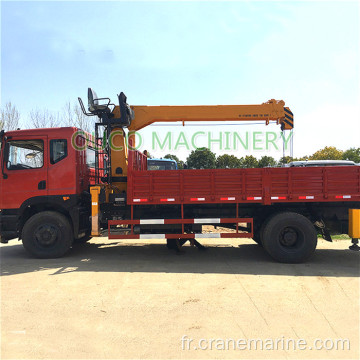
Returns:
(24, 170)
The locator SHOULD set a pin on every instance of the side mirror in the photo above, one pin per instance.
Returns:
(3, 154)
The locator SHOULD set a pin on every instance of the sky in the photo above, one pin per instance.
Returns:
(192, 53)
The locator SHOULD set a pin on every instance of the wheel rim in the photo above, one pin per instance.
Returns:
(291, 238)
(46, 235)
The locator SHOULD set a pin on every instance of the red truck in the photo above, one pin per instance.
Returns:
(44, 175)
(55, 191)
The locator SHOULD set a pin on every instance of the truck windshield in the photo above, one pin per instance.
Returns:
(25, 154)
(161, 165)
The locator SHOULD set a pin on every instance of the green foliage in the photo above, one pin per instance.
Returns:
(180, 163)
(201, 158)
(228, 162)
(285, 160)
(303, 158)
(327, 153)
(352, 154)
(250, 162)
(267, 161)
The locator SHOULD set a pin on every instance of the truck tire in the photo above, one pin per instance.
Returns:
(84, 238)
(289, 237)
(47, 234)
(259, 233)
(257, 238)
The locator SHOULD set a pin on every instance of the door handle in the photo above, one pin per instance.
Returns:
(42, 185)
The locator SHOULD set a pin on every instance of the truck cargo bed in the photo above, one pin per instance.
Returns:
(263, 186)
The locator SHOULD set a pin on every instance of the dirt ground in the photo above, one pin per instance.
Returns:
(127, 299)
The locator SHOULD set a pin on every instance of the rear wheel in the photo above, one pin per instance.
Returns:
(289, 237)
(47, 235)
(257, 238)
(259, 232)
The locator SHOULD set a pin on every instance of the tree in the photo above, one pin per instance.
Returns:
(44, 119)
(266, 161)
(285, 160)
(327, 153)
(9, 117)
(201, 158)
(250, 162)
(352, 154)
(73, 116)
(180, 163)
(228, 162)
(68, 116)
(303, 158)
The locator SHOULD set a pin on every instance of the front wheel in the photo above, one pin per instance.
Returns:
(47, 234)
(289, 237)
(84, 239)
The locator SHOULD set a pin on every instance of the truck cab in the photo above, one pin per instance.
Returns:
(45, 170)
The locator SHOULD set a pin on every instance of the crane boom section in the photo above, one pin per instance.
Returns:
(273, 110)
